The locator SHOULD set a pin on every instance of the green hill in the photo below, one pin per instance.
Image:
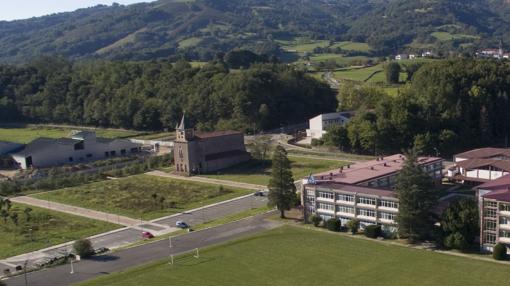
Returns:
(200, 29)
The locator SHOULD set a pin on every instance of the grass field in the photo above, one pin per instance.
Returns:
(48, 228)
(303, 47)
(29, 133)
(256, 172)
(294, 256)
(360, 74)
(339, 59)
(189, 42)
(352, 46)
(133, 196)
(445, 36)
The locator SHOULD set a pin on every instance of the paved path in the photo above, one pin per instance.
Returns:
(209, 181)
(128, 235)
(123, 259)
(97, 215)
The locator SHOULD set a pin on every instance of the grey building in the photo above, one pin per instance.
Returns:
(83, 146)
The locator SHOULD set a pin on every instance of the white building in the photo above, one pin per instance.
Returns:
(83, 146)
(320, 123)
(401, 57)
(480, 165)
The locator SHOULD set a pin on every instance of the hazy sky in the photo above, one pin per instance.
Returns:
(21, 9)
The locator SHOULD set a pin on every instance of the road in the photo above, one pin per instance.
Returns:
(117, 261)
(126, 236)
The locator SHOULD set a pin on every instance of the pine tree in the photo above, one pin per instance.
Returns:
(415, 191)
(282, 191)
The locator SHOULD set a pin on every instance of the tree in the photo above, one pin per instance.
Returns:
(4, 214)
(316, 220)
(416, 197)
(14, 218)
(393, 73)
(282, 191)
(353, 225)
(499, 252)
(27, 212)
(260, 147)
(459, 224)
(83, 248)
(333, 224)
(373, 231)
(337, 136)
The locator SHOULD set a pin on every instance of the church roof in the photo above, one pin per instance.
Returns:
(206, 135)
(182, 125)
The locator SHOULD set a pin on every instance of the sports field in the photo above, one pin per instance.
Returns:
(144, 196)
(295, 256)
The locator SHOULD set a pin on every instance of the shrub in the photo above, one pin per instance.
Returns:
(373, 231)
(316, 220)
(456, 241)
(353, 225)
(499, 252)
(317, 142)
(83, 248)
(334, 224)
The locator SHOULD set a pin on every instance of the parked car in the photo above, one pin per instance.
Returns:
(146, 234)
(181, 224)
(259, 194)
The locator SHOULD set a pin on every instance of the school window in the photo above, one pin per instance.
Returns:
(71, 159)
(504, 207)
(491, 204)
(490, 225)
(504, 233)
(345, 198)
(387, 216)
(363, 212)
(490, 238)
(326, 195)
(88, 155)
(491, 213)
(504, 220)
(344, 209)
(388, 204)
(327, 207)
(367, 201)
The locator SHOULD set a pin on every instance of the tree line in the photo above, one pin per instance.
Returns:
(449, 106)
(153, 95)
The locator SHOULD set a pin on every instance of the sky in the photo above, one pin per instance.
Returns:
(22, 9)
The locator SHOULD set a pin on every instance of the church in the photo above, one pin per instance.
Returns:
(198, 153)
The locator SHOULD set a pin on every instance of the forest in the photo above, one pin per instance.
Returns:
(450, 105)
(153, 95)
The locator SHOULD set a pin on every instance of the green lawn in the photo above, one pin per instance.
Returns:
(359, 74)
(256, 172)
(133, 196)
(339, 59)
(352, 46)
(29, 133)
(445, 36)
(189, 42)
(48, 228)
(307, 46)
(294, 256)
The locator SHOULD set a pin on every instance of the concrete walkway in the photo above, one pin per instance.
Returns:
(209, 181)
(88, 213)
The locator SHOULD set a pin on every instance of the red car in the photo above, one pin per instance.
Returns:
(146, 234)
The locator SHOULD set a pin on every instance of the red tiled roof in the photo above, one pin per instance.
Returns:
(370, 170)
(500, 189)
(476, 163)
(355, 189)
(499, 195)
(483, 153)
(206, 135)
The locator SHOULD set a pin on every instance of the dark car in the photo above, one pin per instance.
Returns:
(259, 194)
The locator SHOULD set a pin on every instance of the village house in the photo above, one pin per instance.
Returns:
(319, 124)
(197, 153)
(82, 146)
